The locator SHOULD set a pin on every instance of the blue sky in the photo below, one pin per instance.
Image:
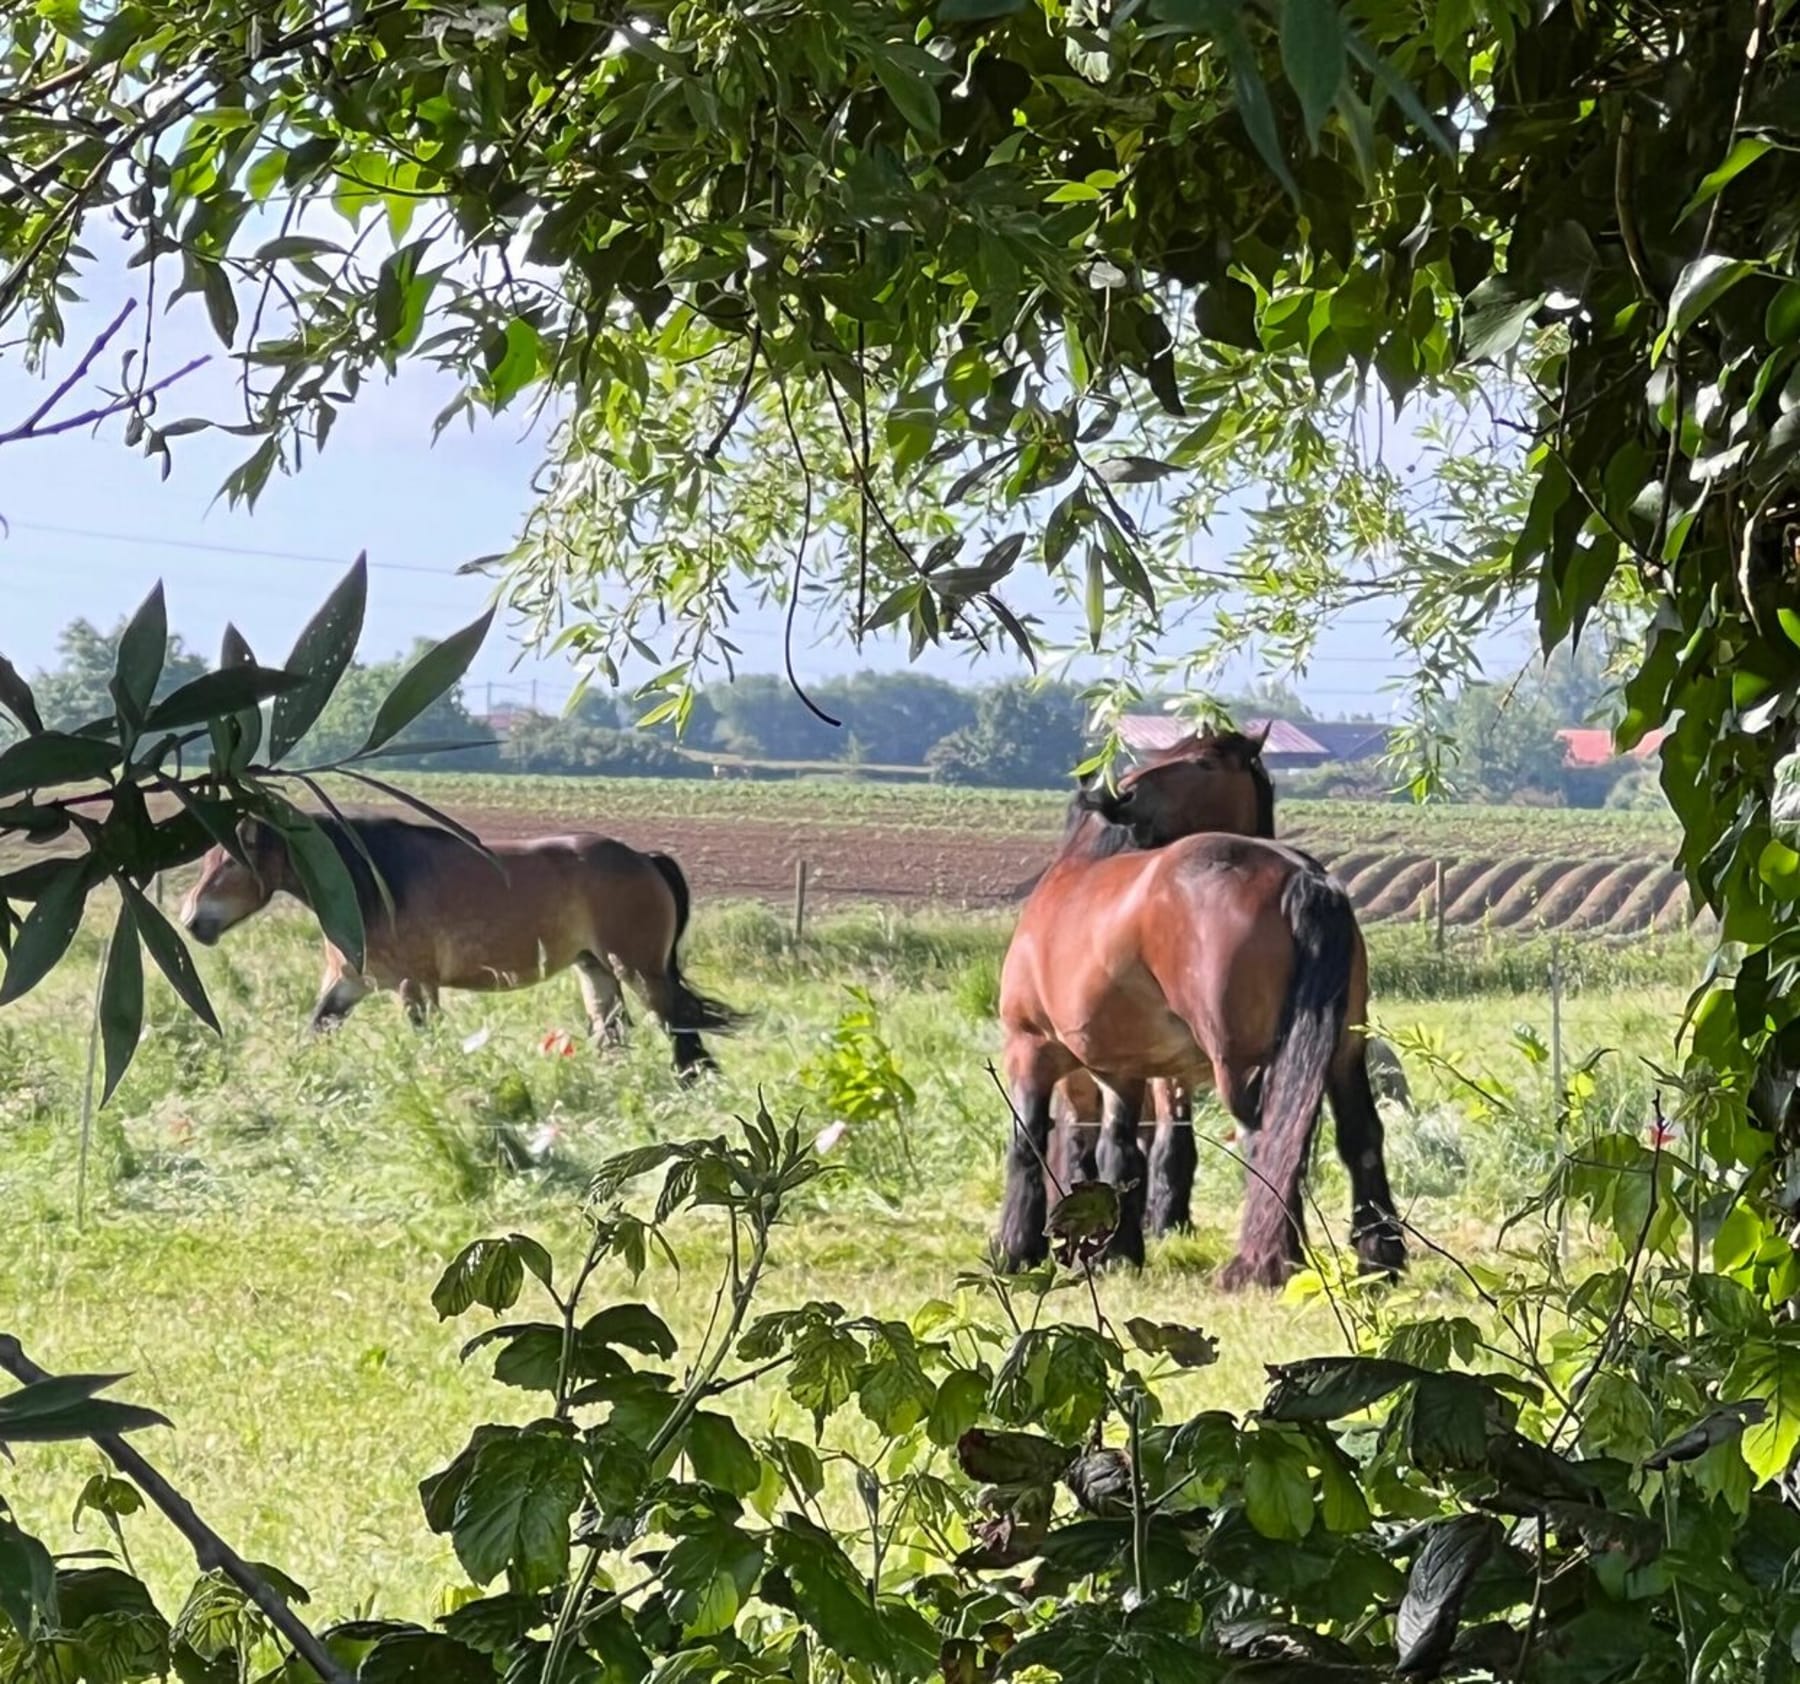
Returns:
(92, 526)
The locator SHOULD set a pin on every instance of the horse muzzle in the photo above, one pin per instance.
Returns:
(204, 929)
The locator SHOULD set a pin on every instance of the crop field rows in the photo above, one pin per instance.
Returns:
(1503, 868)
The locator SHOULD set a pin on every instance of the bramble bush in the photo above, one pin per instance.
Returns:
(1564, 1478)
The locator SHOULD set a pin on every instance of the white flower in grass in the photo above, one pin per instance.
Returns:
(829, 1136)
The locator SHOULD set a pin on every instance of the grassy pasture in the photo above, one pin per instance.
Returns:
(265, 1217)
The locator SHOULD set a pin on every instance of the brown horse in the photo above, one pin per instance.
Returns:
(1212, 780)
(504, 917)
(1209, 960)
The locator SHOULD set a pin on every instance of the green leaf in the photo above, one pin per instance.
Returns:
(518, 363)
(434, 673)
(912, 93)
(55, 757)
(722, 1455)
(138, 663)
(1253, 102)
(961, 1396)
(221, 301)
(48, 929)
(977, 11)
(1767, 1371)
(488, 1272)
(1328, 1388)
(233, 689)
(27, 1582)
(171, 956)
(121, 1000)
(1442, 1571)
(635, 1326)
(1722, 1426)
(1700, 286)
(1343, 1506)
(413, 1657)
(236, 740)
(1401, 92)
(297, 245)
(708, 1576)
(1781, 321)
(513, 1513)
(107, 1496)
(66, 1406)
(1312, 57)
(832, 1598)
(1494, 321)
(16, 697)
(1744, 152)
(325, 881)
(320, 654)
(1277, 1486)
(1095, 603)
(1012, 1458)
(1187, 1346)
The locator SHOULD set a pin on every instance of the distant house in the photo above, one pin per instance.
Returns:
(1318, 742)
(502, 719)
(1591, 746)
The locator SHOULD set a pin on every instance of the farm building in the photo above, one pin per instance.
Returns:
(1585, 746)
(1289, 747)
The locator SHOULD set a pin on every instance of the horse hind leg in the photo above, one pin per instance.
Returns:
(420, 1000)
(604, 1000)
(1374, 1228)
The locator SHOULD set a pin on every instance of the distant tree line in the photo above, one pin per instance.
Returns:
(1016, 735)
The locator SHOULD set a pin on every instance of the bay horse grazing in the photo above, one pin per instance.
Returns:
(503, 917)
(1211, 780)
(1209, 960)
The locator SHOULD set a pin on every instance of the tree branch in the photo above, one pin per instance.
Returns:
(210, 1550)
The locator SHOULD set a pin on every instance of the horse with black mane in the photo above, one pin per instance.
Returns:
(440, 913)
(1206, 960)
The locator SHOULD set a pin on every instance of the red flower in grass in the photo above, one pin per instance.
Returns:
(557, 1043)
(1661, 1134)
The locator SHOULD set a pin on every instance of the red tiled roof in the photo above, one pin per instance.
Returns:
(1593, 746)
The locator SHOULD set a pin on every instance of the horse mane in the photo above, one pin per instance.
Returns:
(401, 850)
(1091, 835)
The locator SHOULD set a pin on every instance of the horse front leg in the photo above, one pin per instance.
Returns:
(1032, 1069)
(1121, 1163)
(1173, 1160)
(420, 1001)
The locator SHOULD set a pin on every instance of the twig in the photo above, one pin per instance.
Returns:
(787, 637)
(717, 443)
(101, 412)
(81, 368)
(210, 1550)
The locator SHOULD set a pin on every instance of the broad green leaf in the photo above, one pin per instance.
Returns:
(108, 1496)
(722, 1455)
(708, 1576)
(491, 1273)
(54, 757)
(1781, 321)
(121, 1000)
(297, 245)
(512, 1514)
(1312, 57)
(1442, 1572)
(1188, 1347)
(1494, 325)
(436, 672)
(411, 1657)
(320, 654)
(48, 929)
(1767, 1371)
(518, 363)
(1328, 1388)
(635, 1326)
(832, 1598)
(138, 664)
(1012, 1458)
(221, 301)
(236, 739)
(1278, 1494)
(977, 11)
(1342, 1506)
(961, 1396)
(1094, 601)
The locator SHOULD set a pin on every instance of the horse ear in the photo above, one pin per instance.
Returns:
(1256, 739)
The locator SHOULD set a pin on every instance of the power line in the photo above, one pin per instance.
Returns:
(224, 549)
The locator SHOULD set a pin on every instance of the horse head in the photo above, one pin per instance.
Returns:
(235, 883)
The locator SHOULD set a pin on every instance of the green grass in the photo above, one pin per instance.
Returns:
(265, 1217)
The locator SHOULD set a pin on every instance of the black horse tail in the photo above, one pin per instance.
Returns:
(692, 1011)
(1319, 917)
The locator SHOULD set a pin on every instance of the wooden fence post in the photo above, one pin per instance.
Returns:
(1437, 902)
(799, 901)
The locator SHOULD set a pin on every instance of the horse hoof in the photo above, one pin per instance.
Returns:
(1242, 1273)
(1381, 1251)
